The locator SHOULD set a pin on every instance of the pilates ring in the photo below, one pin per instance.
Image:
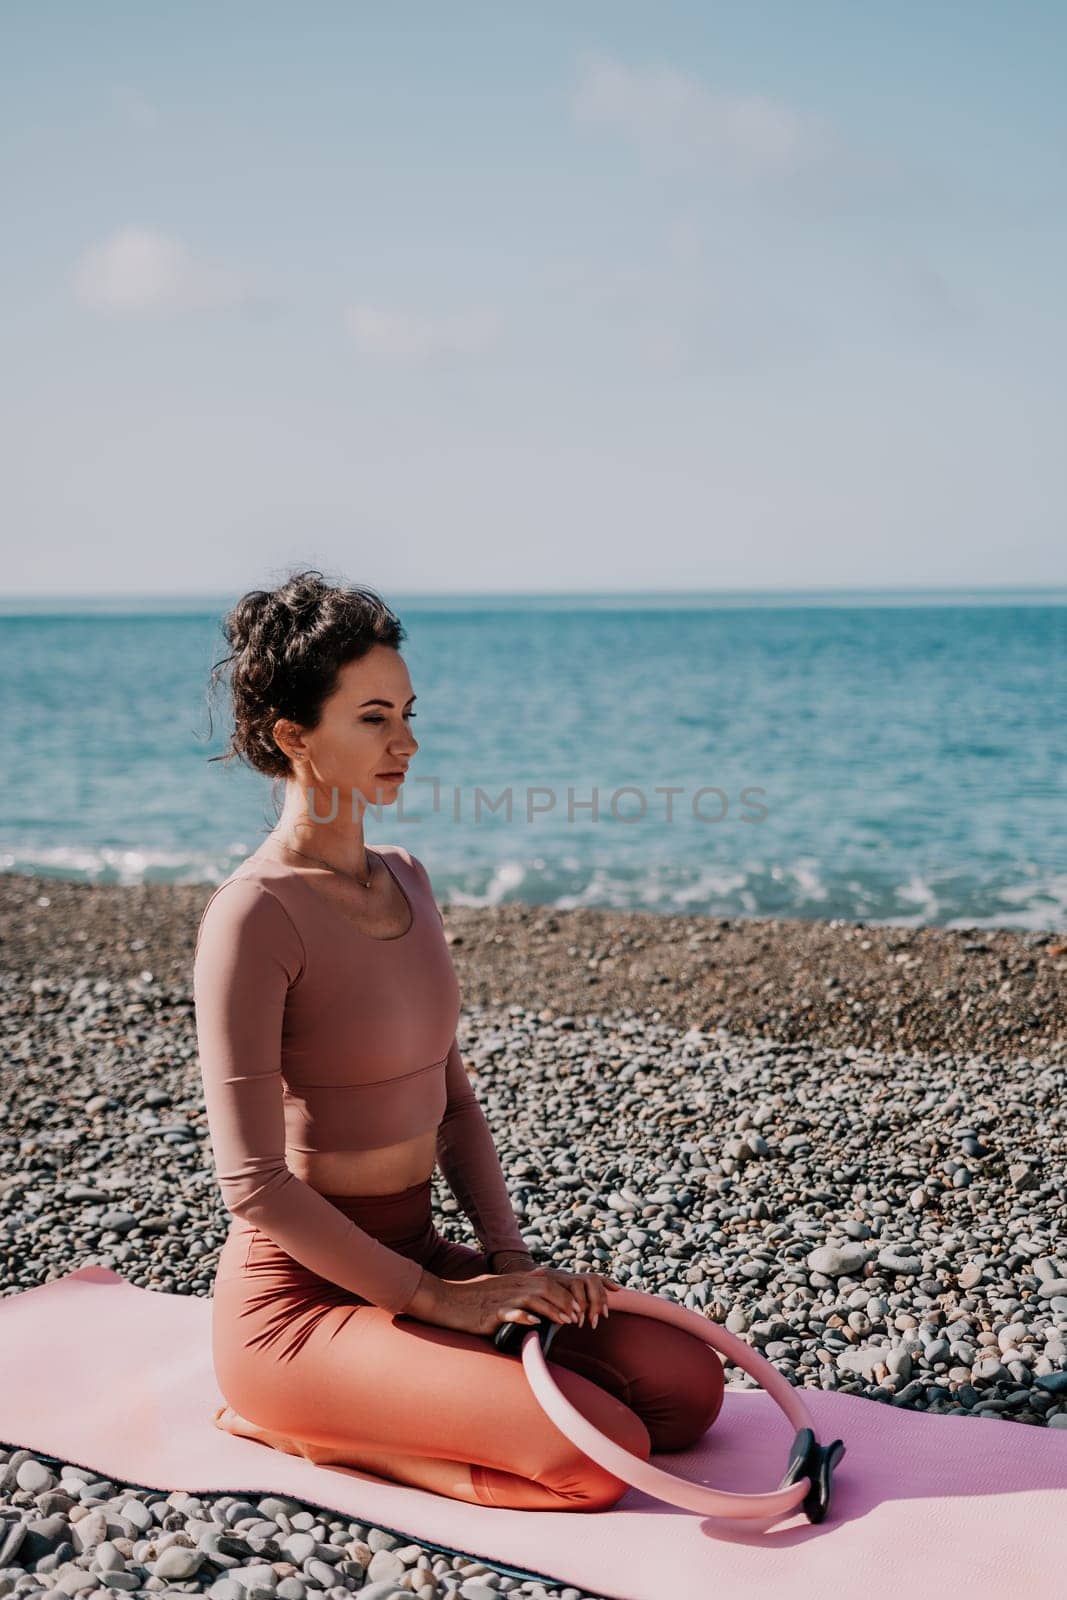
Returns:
(807, 1478)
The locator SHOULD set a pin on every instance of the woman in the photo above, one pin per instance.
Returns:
(346, 1328)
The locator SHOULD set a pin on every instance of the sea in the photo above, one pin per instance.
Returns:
(882, 757)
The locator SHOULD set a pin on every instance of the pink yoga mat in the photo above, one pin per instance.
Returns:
(119, 1379)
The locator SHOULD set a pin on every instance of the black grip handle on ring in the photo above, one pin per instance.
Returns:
(810, 1459)
(509, 1336)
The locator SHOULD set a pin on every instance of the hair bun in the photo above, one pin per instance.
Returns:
(288, 645)
(248, 617)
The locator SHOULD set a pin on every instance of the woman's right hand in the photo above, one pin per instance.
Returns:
(480, 1305)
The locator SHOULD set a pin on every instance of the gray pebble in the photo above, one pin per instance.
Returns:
(386, 1564)
(34, 1477)
(837, 1260)
(897, 1261)
(177, 1562)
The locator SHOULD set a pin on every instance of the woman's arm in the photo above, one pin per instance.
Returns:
(467, 1155)
(248, 953)
(468, 1160)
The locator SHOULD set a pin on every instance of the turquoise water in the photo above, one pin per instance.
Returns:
(878, 757)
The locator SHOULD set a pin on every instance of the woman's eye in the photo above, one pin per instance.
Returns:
(408, 714)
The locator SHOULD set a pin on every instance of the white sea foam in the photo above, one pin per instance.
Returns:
(1035, 899)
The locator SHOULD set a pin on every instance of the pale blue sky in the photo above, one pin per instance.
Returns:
(495, 297)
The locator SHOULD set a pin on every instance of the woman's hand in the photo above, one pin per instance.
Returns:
(480, 1305)
(587, 1289)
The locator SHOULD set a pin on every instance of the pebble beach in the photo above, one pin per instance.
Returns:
(846, 1142)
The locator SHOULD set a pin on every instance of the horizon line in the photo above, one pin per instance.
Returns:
(447, 594)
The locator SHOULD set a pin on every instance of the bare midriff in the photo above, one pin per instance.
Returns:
(367, 1172)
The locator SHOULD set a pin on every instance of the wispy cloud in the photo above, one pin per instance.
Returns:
(139, 270)
(401, 337)
(677, 121)
(133, 107)
(928, 303)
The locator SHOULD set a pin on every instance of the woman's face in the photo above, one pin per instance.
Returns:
(364, 737)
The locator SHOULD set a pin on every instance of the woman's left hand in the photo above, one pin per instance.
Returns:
(589, 1291)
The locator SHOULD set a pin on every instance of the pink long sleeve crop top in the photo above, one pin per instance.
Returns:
(314, 1036)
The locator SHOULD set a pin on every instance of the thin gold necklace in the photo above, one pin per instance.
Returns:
(329, 864)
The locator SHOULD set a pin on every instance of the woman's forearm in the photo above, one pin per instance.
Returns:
(470, 1164)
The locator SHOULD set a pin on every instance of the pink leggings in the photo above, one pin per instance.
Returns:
(317, 1371)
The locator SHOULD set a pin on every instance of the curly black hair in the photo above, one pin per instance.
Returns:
(287, 647)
